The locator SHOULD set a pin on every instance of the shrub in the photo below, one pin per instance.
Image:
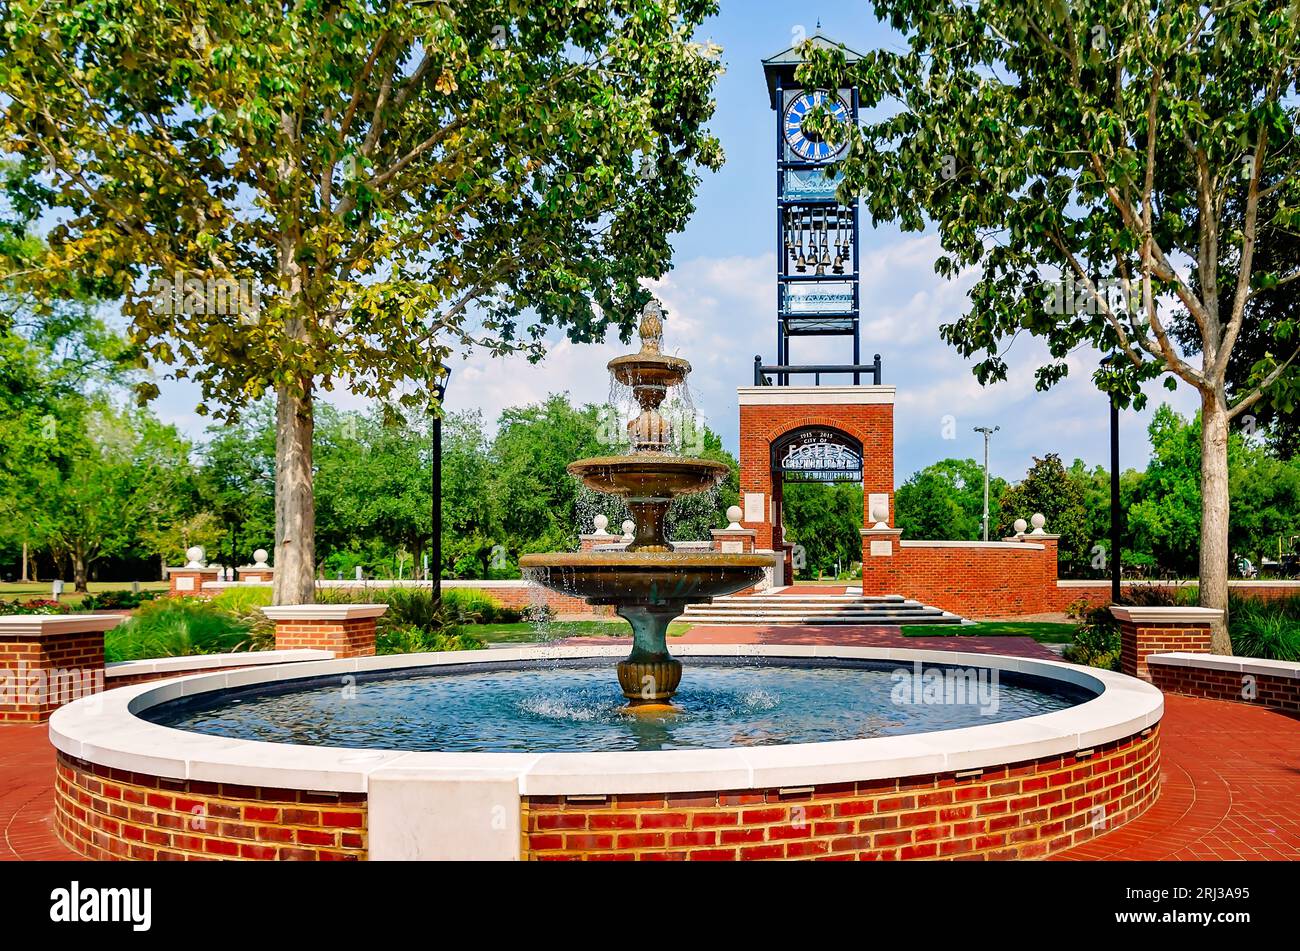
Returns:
(242, 600)
(116, 600)
(1268, 628)
(409, 639)
(1096, 643)
(33, 606)
(177, 627)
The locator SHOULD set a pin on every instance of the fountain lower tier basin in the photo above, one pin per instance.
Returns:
(778, 785)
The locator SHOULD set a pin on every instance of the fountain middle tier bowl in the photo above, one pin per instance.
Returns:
(648, 475)
(645, 578)
(649, 369)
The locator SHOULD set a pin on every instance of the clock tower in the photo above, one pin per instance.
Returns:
(816, 236)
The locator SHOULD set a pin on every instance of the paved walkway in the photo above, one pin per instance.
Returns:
(1231, 773)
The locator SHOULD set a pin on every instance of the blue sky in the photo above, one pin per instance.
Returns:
(721, 300)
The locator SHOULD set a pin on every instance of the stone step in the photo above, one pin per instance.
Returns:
(886, 620)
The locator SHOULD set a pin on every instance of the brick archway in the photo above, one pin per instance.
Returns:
(768, 413)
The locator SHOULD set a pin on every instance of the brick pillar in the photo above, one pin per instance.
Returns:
(348, 630)
(189, 581)
(882, 560)
(734, 541)
(1152, 630)
(49, 660)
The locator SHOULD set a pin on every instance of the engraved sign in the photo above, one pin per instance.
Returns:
(818, 455)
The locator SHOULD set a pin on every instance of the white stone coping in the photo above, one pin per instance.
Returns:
(323, 612)
(815, 395)
(1165, 615)
(192, 662)
(1286, 669)
(1009, 546)
(49, 625)
(104, 729)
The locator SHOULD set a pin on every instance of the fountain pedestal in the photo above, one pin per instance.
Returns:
(649, 675)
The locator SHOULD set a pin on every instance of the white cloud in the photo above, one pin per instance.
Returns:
(721, 312)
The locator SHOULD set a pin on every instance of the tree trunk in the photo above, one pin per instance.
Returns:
(295, 503)
(25, 564)
(1214, 514)
(79, 574)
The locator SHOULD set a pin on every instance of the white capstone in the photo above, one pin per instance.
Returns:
(195, 556)
(1038, 521)
(734, 514)
(1020, 526)
(601, 522)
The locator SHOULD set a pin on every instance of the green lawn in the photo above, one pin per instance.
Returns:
(525, 633)
(28, 590)
(1047, 632)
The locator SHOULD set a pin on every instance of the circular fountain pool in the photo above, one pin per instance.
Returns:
(574, 707)
(781, 752)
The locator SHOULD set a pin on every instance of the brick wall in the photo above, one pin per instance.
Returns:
(969, 580)
(40, 674)
(1276, 693)
(111, 814)
(1139, 639)
(1098, 594)
(1026, 810)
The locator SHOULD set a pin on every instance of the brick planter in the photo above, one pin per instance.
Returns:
(1154, 630)
(1266, 683)
(347, 630)
(49, 660)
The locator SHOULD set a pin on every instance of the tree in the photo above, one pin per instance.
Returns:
(1095, 144)
(1047, 488)
(290, 196)
(826, 521)
(946, 500)
(237, 480)
(99, 496)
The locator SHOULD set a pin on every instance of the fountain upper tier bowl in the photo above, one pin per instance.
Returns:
(649, 369)
(645, 577)
(648, 475)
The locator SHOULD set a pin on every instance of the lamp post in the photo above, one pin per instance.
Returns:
(435, 547)
(987, 433)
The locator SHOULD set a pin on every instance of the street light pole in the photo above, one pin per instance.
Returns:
(1115, 513)
(987, 433)
(435, 546)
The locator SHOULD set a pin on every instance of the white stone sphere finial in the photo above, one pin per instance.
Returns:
(734, 514)
(259, 558)
(601, 521)
(628, 528)
(1020, 526)
(195, 556)
(1038, 521)
(880, 514)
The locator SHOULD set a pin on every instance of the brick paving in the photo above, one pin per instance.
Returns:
(1230, 772)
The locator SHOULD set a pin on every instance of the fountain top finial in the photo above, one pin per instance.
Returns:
(652, 327)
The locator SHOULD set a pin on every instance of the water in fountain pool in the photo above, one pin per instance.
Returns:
(575, 707)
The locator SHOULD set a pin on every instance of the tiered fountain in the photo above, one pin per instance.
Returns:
(647, 582)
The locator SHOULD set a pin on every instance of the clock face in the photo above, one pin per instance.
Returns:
(806, 144)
